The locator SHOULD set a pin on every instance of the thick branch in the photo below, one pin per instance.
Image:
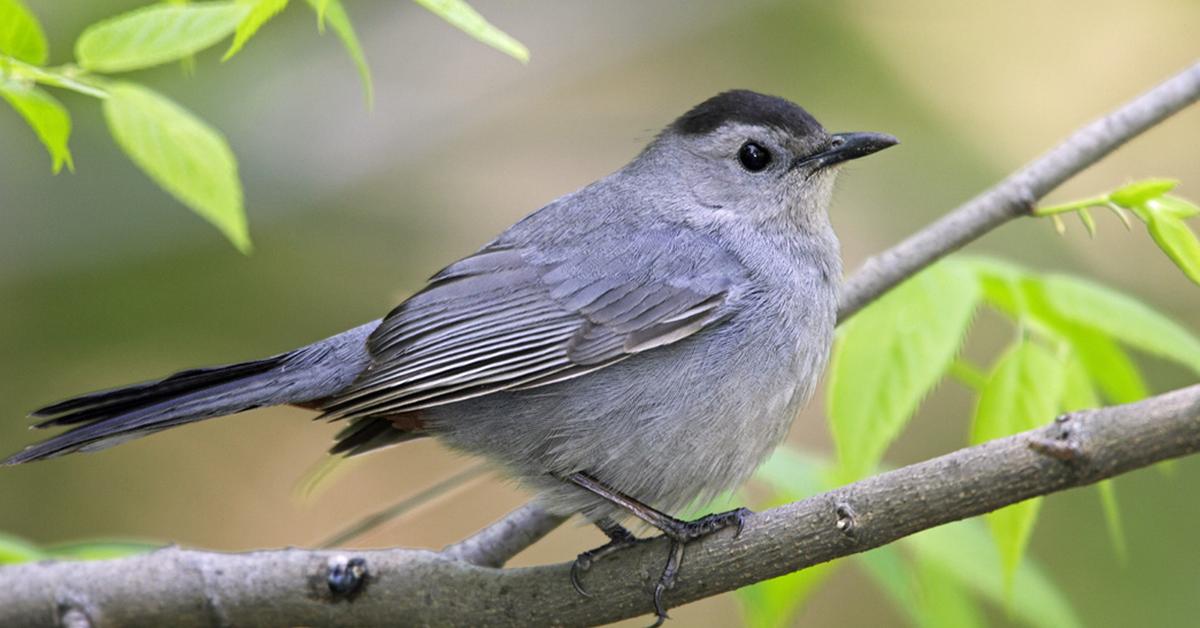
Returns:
(291, 587)
(1014, 196)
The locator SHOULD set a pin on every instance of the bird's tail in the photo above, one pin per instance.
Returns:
(107, 418)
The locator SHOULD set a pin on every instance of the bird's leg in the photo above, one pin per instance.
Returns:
(619, 538)
(678, 531)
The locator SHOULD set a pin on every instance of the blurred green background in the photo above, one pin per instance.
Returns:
(104, 279)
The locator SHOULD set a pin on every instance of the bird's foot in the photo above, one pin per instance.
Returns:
(680, 534)
(619, 539)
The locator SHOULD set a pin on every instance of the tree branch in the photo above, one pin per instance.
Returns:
(498, 543)
(1015, 196)
(1018, 193)
(293, 587)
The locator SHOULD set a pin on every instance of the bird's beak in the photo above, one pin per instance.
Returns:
(847, 146)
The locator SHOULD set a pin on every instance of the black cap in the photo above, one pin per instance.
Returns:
(741, 105)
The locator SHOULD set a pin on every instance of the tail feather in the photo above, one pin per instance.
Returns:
(106, 418)
(91, 406)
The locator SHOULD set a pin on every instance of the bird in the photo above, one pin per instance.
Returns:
(633, 347)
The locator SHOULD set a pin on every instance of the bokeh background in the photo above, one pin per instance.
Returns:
(104, 279)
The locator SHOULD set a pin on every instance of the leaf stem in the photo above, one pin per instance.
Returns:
(968, 374)
(1072, 206)
(65, 77)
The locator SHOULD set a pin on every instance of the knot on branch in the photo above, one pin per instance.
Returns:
(345, 576)
(71, 616)
(847, 521)
(1060, 440)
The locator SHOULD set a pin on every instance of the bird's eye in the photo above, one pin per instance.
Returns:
(754, 157)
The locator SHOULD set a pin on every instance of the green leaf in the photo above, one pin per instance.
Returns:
(100, 549)
(321, 7)
(1023, 296)
(1024, 390)
(21, 35)
(943, 600)
(185, 156)
(1108, 367)
(964, 551)
(342, 27)
(1000, 282)
(929, 595)
(775, 602)
(1173, 205)
(1178, 242)
(889, 571)
(15, 550)
(890, 356)
(261, 11)
(793, 475)
(1077, 390)
(1139, 192)
(461, 15)
(48, 118)
(1112, 518)
(1078, 394)
(1123, 318)
(156, 34)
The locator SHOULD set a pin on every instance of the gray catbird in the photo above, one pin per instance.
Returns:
(628, 349)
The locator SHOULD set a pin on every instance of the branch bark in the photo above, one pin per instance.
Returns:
(295, 587)
(1013, 197)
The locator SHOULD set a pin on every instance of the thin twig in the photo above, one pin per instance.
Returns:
(1016, 195)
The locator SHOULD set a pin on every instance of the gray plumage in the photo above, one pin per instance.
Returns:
(657, 329)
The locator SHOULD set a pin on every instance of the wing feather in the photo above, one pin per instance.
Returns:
(495, 321)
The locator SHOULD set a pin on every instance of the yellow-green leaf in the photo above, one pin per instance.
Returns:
(21, 35)
(48, 118)
(15, 550)
(1173, 205)
(321, 6)
(1108, 366)
(1122, 317)
(790, 475)
(340, 21)
(185, 156)
(101, 549)
(467, 19)
(156, 34)
(928, 594)
(1078, 394)
(964, 551)
(1024, 390)
(1112, 518)
(1178, 242)
(890, 356)
(1000, 282)
(261, 11)
(1077, 391)
(776, 601)
(1138, 192)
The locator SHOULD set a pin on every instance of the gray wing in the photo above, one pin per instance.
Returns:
(496, 321)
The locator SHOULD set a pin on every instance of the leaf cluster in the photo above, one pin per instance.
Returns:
(1069, 351)
(181, 153)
